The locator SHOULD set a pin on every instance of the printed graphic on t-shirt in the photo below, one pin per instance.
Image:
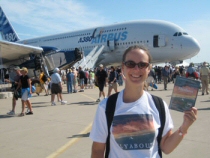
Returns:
(134, 132)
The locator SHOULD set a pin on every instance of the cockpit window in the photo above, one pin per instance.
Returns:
(180, 33)
(175, 34)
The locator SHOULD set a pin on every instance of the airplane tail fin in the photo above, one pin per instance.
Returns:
(6, 29)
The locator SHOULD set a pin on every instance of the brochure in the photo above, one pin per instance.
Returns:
(184, 94)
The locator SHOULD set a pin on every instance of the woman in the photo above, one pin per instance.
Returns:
(150, 79)
(176, 73)
(75, 79)
(139, 114)
(112, 81)
(25, 84)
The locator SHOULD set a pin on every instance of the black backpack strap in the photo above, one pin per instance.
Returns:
(110, 109)
(161, 109)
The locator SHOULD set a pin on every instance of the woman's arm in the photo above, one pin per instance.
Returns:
(98, 150)
(29, 83)
(171, 140)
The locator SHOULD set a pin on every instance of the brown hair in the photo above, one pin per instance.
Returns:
(137, 47)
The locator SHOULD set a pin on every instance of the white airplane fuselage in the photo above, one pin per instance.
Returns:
(166, 41)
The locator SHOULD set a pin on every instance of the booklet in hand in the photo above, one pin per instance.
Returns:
(184, 94)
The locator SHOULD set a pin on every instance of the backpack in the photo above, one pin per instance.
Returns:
(110, 109)
(44, 78)
(33, 89)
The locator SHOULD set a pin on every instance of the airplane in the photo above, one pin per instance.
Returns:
(166, 41)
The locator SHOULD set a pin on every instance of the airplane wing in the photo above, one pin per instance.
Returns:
(12, 51)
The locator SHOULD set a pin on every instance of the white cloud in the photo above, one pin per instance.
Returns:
(52, 16)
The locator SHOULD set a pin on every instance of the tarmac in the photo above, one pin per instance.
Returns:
(62, 131)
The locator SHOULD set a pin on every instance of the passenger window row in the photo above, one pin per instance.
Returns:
(132, 42)
(117, 29)
(116, 44)
(85, 34)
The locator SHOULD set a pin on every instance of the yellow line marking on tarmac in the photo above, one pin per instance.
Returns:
(72, 141)
(88, 97)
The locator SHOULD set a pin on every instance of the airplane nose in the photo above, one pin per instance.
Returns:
(192, 47)
(196, 46)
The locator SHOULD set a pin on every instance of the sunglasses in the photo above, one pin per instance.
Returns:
(132, 64)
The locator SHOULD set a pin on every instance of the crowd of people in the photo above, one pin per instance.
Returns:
(76, 80)
(169, 73)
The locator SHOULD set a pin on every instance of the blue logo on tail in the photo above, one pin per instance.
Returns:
(6, 29)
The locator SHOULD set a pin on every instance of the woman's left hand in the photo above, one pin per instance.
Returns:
(189, 117)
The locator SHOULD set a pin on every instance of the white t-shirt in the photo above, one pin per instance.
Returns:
(55, 78)
(134, 128)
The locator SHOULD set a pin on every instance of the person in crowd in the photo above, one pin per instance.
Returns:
(165, 75)
(56, 87)
(204, 75)
(170, 69)
(101, 79)
(176, 73)
(69, 81)
(155, 71)
(112, 81)
(26, 91)
(181, 68)
(91, 78)
(63, 75)
(172, 73)
(81, 79)
(43, 82)
(48, 85)
(74, 71)
(16, 94)
(119, 76)
(135, 115)
(150, 79)
(191, 72)
(86, 80)
(159, 74)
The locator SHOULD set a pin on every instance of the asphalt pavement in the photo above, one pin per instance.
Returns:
(62, 131)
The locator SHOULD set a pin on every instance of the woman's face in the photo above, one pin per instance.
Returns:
(23, 72)
(136, 75)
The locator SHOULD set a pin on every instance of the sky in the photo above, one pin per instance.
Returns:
(34, 18)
